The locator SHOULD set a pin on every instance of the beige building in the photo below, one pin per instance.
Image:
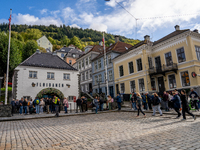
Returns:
(45, 43)
(172, 62)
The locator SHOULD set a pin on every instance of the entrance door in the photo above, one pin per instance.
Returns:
(111, 91)
(117, 88)
(158, 63)
(161, 84)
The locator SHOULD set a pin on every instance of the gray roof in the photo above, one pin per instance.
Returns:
(64, 49)
(46, 60)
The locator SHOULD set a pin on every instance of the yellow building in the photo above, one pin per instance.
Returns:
(172, 62)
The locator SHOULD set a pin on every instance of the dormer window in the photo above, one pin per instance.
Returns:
(73, 55)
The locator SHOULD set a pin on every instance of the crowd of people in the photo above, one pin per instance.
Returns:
(174, 100)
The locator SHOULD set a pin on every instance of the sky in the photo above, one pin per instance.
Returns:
(107, 16)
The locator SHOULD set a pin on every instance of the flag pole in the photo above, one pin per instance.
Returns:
(7, 73)
(105, 65)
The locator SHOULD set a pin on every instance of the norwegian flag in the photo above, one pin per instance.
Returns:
(103, 41)
(9, 22)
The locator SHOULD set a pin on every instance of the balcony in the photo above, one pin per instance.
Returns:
(163, 69)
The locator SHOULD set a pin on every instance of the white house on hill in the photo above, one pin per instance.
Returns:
(45, 75)
(45, 43)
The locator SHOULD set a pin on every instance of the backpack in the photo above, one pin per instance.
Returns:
(37, 101)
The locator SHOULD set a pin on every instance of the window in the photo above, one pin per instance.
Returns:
(86, 61)
(99, 64)
(153, 84)
(90, 74)
(95, 80)
(39, 41)
(43, 84)
(139, 64)
(105, 62)
(95, 65)
(141, 85)
(110, 75)
(181, 55)
(49, 84)
(168, 59)
(86, 88)
(50, 75)
(79, 65)
(59, 84)
(185, 78)
(82, 88)
(109, 59)
(100, 78)
(70, 62)
(83, 76)
(90, 60)
(46, 84)
(172, 81)
(62, 55)
(86, 75)
(56, 84)
(122, 87)
(66, 76)
(132, 84)
(33, 74)
(130, 65)
(36, 84)
(104, 77)
(121, 71)
(53, 85)
(150, 62)
(197, 48)
(62, 85)
(40, 84)
(82, 63)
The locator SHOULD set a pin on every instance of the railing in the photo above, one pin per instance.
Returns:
(163, 69)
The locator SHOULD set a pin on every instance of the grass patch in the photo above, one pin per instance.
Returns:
(4, 89)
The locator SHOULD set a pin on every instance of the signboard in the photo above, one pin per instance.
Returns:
(194, 74)
(74, 98)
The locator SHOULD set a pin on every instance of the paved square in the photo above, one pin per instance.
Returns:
(116, 130)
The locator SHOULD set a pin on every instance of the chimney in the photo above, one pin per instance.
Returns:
(54, 53)
(147, 37)
(196, 30)
(177, 27)
(116, 38)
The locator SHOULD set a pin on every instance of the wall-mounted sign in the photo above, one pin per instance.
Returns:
(194, 74)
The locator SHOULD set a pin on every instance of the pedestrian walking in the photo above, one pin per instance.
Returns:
(13, 106)
(194, 96)
(156, 104)
(65, 103)
(21, 106)
(138, 104)
(177, 103)
(144, 101)
(37, 106)
(148, 99)
(55, 101)
(78, 105)
(42, 104)
(119, 101)
(95, 102)
(109, 102)
(101, 103)
(47, 103)
(185, 105)
(134, 100)
(165, 100)
(25, 105)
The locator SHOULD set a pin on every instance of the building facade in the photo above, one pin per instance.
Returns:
(45, 75)
(83, 64)
(172, 62)
(98, 68)
(45, 43)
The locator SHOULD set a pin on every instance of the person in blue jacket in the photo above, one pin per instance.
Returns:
(177, 103)
(119, 100)
(194, 96)
(144, 101)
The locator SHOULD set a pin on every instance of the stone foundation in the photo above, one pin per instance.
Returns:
(5, 110)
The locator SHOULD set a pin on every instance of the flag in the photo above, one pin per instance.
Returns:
(103, 41)
(9, 22)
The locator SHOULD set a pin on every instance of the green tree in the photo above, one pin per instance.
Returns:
(65, 40)
(32, 34)
(29, 49)
(76, 42)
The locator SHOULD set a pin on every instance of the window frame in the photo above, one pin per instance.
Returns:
(95, 65)
(109, 59)
(121, 87)
(177, 54)
(131, 86)
(151, 84)
(86, 75)
(182, 80)
(86, 61)
(139, 84)
(70, 62)
(169, 81)
(51, 76)
(32, 73)
(122, 71)
(198, 58)
(137, 64)
(66, 74)
(110, 76)
(166, 59)
(100, 77)
(99, 64)
(129, 67)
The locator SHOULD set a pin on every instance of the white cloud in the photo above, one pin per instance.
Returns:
(43, 11)
(99, 27)
(75, 26)
(68, 15)
(32, 20)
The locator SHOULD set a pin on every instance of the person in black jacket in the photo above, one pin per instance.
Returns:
(156, 104)
(185, 105)
(78, 104)
(47, 102)
(138, 104)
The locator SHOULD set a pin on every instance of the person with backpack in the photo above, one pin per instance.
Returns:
(78, 105)
(119, 101)
(177, 103)
(13, 106)
(138, 104)
(194, 96)
(185, 105)
(37, 106)
(156, 104)
(21, 106)
(95, 102)
(165, 100)
(65, 103)
(56, 102)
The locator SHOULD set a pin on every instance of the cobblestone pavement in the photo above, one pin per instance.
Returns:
(116, 130)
